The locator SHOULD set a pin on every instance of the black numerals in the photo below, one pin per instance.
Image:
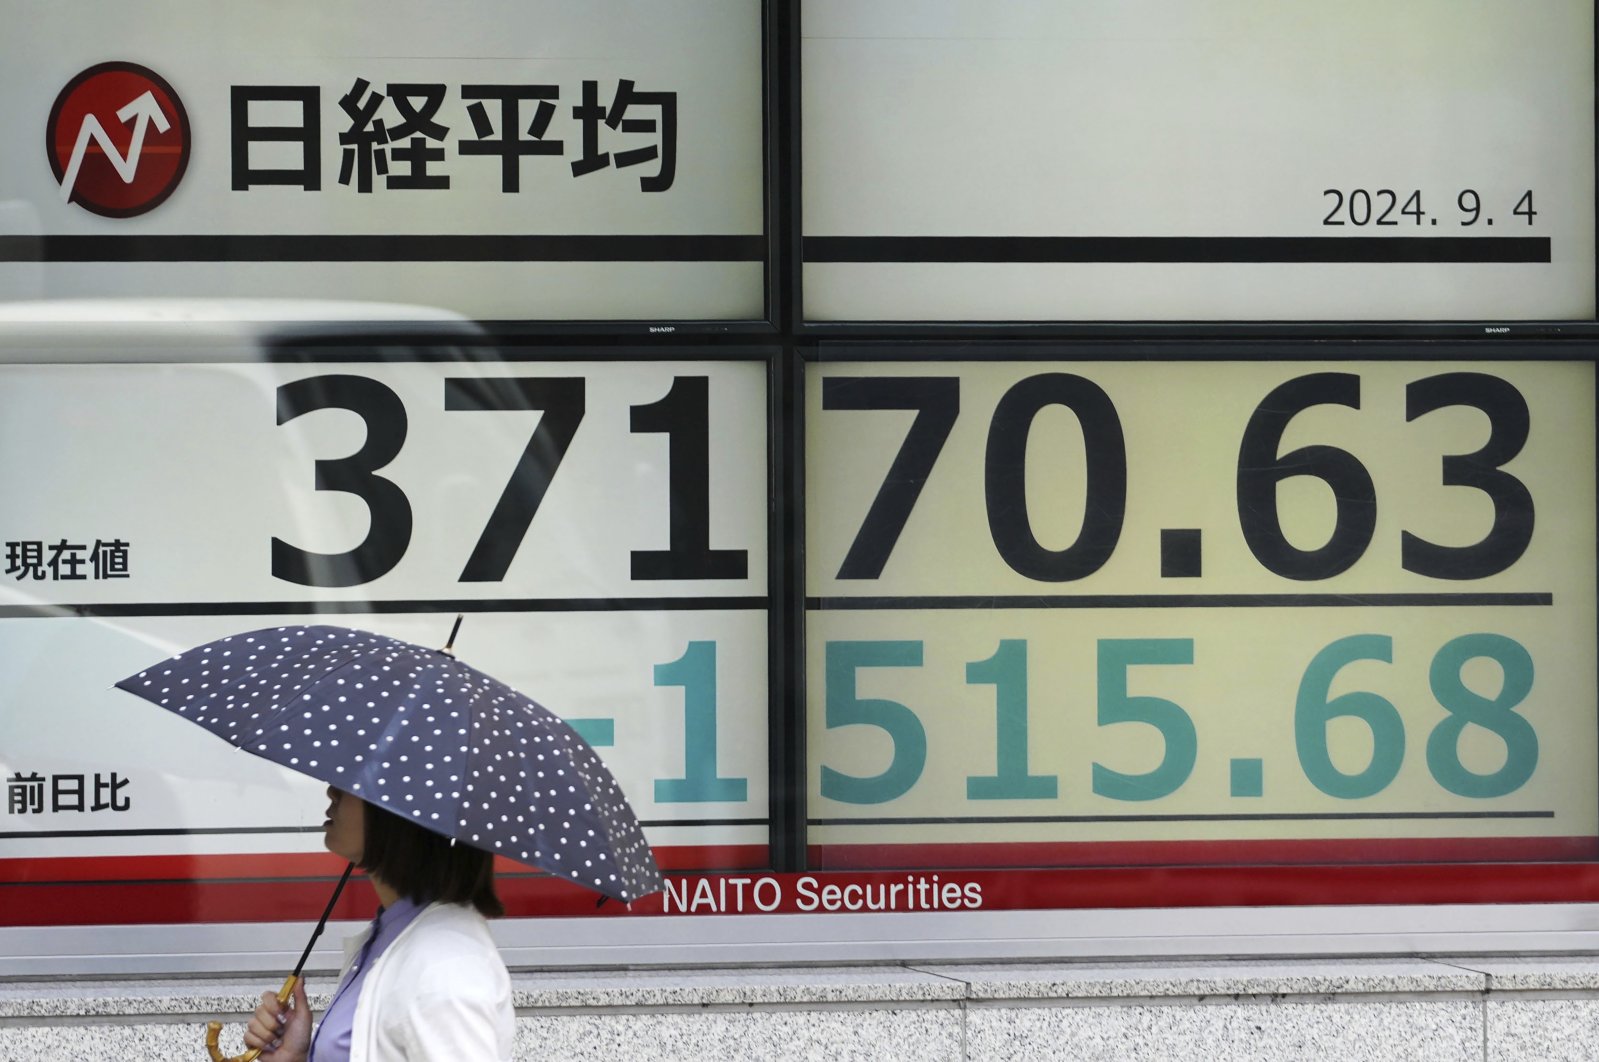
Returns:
(389, 534)
(1510, 424)
(1360, 207)
(936, 400)
(561, 400)
(1332, 217)
(1260, 469)
(1005, 477)
(683, 416)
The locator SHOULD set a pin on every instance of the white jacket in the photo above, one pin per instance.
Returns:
(439, 993)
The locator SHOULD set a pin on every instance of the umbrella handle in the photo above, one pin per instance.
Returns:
(213, 1029)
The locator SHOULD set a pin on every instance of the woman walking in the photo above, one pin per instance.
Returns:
(426, 983)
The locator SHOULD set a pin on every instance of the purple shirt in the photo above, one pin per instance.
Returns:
(332, 1040)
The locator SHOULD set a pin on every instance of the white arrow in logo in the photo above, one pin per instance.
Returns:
(143, 110)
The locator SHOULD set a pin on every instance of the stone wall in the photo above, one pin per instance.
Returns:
(1419, 1010)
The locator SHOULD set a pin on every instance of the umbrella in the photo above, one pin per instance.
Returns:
(417, 733)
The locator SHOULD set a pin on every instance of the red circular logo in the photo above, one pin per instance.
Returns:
(118, 140)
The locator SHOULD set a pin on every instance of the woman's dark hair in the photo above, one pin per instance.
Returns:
(425, 867)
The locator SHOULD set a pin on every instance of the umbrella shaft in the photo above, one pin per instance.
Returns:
(322, 923)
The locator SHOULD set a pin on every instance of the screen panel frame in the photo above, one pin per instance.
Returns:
(772, 59)
(1493, 885)
(867, 329)
(299, 883)
(1553, 912)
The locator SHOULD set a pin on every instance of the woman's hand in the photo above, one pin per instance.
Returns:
(283, 1033)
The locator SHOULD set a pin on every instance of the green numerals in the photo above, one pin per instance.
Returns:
(904, 729)
(1494, 714)
(1006, 671)
(695, 671)
(1313, 711)
(1350, 744)
(1176, 729)
(1464, 707)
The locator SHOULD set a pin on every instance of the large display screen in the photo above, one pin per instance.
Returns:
(1198, 160)
(1067, 613)
(600, 524)
(499, 159)
(1147, 458)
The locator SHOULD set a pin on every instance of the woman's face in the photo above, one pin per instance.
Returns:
(344, 832)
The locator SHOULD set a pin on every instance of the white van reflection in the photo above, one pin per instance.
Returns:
(212, 330)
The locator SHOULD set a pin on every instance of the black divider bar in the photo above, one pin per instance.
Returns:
(982, 601)
(1217, 249)
(382, 248)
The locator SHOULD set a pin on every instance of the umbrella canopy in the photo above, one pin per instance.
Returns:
(420, 734)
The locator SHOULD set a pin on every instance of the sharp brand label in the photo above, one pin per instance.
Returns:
(118, 140)
(823, 894)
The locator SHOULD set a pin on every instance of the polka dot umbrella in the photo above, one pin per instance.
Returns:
(420, 734)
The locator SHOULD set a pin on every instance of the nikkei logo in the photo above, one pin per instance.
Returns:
(118, 140)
